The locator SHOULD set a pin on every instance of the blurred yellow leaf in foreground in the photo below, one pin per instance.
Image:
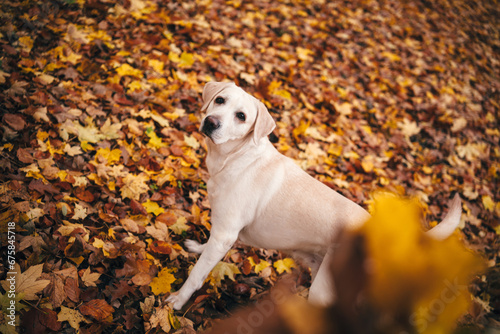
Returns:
(409, 270)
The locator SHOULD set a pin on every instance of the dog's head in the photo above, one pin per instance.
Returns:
(232, 114)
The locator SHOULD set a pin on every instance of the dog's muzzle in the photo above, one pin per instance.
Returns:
(210, 124)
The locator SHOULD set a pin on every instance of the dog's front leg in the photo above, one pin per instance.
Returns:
(213, 251)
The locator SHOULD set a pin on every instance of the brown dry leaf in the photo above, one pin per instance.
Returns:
(89, 278)
(161, 317)
(98, 309)
(55, 290)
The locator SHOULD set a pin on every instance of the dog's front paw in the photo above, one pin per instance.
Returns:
(194, 246)
(176, 300)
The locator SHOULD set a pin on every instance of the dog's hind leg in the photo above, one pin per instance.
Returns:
(322, 290)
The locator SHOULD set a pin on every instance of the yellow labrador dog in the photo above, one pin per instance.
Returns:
(263, 198)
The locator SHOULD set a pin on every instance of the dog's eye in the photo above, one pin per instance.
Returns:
(220, 100)
(241, 116)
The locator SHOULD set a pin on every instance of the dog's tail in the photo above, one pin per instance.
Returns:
(448, 225)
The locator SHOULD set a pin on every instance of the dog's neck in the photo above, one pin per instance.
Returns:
(219, 155)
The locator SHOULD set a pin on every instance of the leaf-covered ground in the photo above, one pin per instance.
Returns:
(102, 166)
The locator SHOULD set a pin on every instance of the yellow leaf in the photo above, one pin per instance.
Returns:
(304, 54)
(179, 226)
(123, 53)
(157, 65)
(153, 207)
(86, 146)
(126, 69)
(411, 270)
(26, 43)
(27, 283)
(391, 56)
(285, 265)
(134, 186)
(186, 60)
(162, 283)
(111, 156)
(74, 317)
(300, 130)
(191, 141)
(263, 264)
(155, 141)
(71, 58)
(158, 81)
(32, 171)
(98, 243)
(488, 203)
(174, 57)
(367, 164)
(136, 85)
(222, 270)
(106, 246)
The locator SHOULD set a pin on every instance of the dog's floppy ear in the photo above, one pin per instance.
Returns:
(264, 123)
(211, 89)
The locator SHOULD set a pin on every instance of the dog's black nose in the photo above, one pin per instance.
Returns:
(210, 125)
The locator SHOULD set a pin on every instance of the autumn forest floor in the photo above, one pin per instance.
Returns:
(102, 167)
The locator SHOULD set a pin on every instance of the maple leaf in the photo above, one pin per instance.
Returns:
(89, 278)
(27, 283)
(162, 283)
(73, 317)
(161, 317)
(148, 305)
(134, 186)
(409, 128)
(153, 207)
(17, 88)
(108, 155)
(221, 271)
(284, 265)
(80, 212)
(111, 130)
(154, 141)
(263, 264)
(35, 213)
(159, 231)
(180, 226)
(89, 133)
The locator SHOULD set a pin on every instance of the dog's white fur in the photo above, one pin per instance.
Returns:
(263, 198)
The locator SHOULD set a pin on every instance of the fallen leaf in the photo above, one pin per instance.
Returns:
(98, 309)
(28, 282)
(162, 283)
(74, 317)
